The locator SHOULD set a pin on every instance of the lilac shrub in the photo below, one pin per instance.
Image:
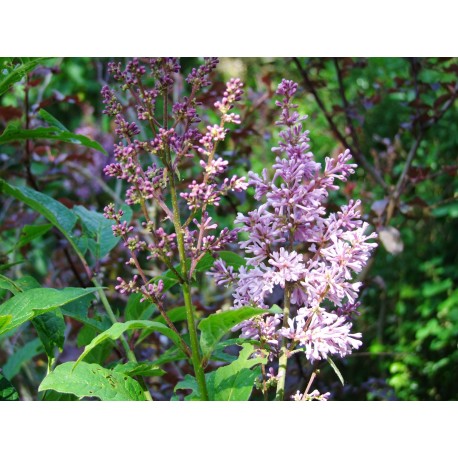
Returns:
(293, 243)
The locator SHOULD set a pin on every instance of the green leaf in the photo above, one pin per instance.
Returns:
(170, 355)
(9, 77)
(14, 132)
(20, 285)
(31, 232)
(336, 370)
(78, 310)
(34, 302)
(7, 390)
(10, 285)
(51, 395)
(99, 354)
(205, 263)
(176, 314)
(118, 329)
(219, 354)
(145, 369)
(169, 279)
(98, 228)
(5, 320)
(21, 356)
(188, 383)
(232, 259)
(50, 328)
(235, 382)
(92, 380)
(51, 120)
(136, 310)
(217, 325)
(56, 213)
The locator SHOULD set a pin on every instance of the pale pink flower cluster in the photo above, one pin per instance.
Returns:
(293, 241)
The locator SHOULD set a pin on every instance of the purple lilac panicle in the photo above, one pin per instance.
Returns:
(149, 165)
(292, 240)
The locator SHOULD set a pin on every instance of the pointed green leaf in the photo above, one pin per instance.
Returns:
(56, 213)
(21, 356)
(214, 328)
(98, 229)
(336, 370)
(18, 286)
(144, 368)
(14, 132)
(31, 232)
(51, 120)
(12, 74)
(118, 329)
(92, 380)
(34, 302)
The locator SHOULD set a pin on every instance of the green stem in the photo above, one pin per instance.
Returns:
(283, 360)
(129, 353)
(196, 357)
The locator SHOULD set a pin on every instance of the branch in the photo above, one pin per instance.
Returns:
(359, 157)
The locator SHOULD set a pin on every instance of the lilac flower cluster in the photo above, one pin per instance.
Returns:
(294, 244)
(151, 167)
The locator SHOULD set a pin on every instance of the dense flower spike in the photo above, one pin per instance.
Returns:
(294, 243)
(150, 182)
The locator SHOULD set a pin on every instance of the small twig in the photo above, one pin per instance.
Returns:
(312, 378)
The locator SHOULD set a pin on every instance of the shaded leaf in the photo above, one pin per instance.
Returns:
(56, 213)
(31, 232)
(21, 356)
(51, 120)
(136, 310)
(7, 390)
(78, 310)
(51, 395)
(50, 328)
